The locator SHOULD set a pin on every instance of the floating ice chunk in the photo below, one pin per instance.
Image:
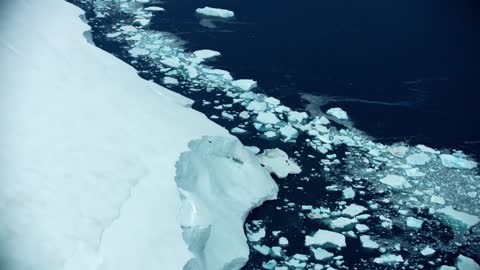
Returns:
(267, 118)
(128, 29)
(427, 251)
(276, 252)
(446, 267)
(348, 193)
(136, 52)
(414, 172)
(237, 130)
(192, 72)
(114, 35)
(297, 117)
(321, 254)
(171, 62)
(457, 219)
(215, 12)
(361, 228)
(301, 257)
(257, 106)
(427, 149)
(388, 259)
(437, 200)
(203, 55)
(170, 80)
(263, 249)
(227, 116)
(465, 263)
(451, 161)
(368, 243)
(342, 223)
(414, 223)
(338, 113)
(326, 239)
(244, 115)
(418, 159)
(219, 72)
(288, 132)
(395, 182)
(282, 241)
(245, 84)
(272, 101)
(353, 210)
(398, 151)
(270, 134)
(277, 162)
(256, 236)
(153, 8)
(270, 265)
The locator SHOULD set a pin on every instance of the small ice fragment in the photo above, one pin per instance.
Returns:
(338, 113)
(245, 84)
(418, 159)
(326, 239)
(465, 263)
(288, 132)
(353, 210)
(458, 219)
(348, 193)
(153, 8)
(437, 200)
(267, 118)
(361, 228)
(450, 161)
(277, 161)
(388, 259)
(321, 254)
(282, 241)
(414, 223)
(427, 251)
(368, 243)
(215, 12)
(395, 182)
(170, 80)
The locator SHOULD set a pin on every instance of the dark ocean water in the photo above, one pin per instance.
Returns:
(404, 70)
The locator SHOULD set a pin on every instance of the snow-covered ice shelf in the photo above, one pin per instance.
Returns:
(88, 155)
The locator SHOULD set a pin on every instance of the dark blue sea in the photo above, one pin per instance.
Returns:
(405, 71)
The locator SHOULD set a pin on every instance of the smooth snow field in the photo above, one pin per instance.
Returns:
(170, 135)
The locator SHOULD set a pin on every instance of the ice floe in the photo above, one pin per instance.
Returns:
(215, 12)
(277, 162)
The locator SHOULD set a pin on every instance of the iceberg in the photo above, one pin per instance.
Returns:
(203, 55)
(457, 219)
(326, 239)
(216, 12)
(466, 263)
(395, 182)
(92, 161)
(245, 84)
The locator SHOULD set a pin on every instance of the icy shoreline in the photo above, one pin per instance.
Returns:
(89, 155)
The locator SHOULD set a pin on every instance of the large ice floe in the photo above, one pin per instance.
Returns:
(403, 205)
(91, 157)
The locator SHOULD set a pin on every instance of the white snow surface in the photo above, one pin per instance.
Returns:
(88, 155)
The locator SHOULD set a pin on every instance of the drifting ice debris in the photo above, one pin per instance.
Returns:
(277, 162)
(361, 228)
(414, 223)
(348, 193)
(263, 249)
(136, 52)
(342, 223)
(353, 210)
(237, 130)
(338, 113)
(216, 12)
(427, 149)
(368, 243)
(395, 182)
(245, 84)
(288, 132)
(326, 239)
(388, 259)
(282, 241)
(203, 55)
(398, 151)
(170, 80)
(459, 220)
(446, 267)
(437, 200)
(321, 254)
(450, 161)
(466, 263)
(297, 117)
(418, 159)
(267, 118)
(427, 251)
(153, 8)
